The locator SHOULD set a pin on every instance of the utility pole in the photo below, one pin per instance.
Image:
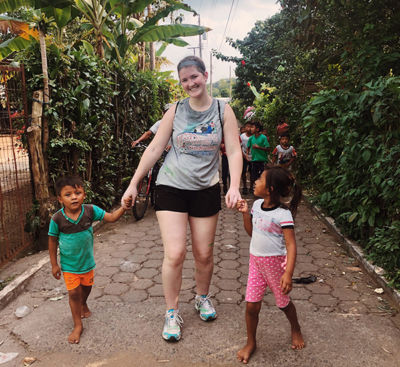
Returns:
(230, 83)
(194, 50)
(201, 54)
(152, 49)
(211, 89)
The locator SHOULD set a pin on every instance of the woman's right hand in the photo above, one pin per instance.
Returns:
(128, 199)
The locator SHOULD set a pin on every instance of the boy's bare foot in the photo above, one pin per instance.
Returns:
(297, 340)
(75, 336)
(245, 353)
(85, 313)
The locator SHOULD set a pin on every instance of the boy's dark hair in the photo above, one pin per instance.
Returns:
(74, 181)
(281, 183)
(258, 126)
(192, 61)
(285, 134)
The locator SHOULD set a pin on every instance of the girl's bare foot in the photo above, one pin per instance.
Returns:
(85, 313)
(297, 340)
(75, 336)
(245, 353)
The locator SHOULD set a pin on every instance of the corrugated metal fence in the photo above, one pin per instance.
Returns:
(15, 174)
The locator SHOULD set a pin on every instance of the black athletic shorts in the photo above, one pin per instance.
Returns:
(201, 203)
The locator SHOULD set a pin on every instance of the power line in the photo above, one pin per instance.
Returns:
(233, 16)
(226, 25)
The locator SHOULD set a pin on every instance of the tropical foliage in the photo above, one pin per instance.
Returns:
(111, 28)
(95, 111)
(332, 69)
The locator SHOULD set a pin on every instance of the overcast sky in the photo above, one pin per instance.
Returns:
(214, 14)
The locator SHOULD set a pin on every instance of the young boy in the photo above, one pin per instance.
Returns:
(258, 146)
(245, 136)
(284, 153)
(71, 229)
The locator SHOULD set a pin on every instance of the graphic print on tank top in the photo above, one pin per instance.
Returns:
(198, 139)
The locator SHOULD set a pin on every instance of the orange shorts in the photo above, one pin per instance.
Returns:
(75, 280)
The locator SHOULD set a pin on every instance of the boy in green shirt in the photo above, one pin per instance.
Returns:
(71, 229)
(258, 146)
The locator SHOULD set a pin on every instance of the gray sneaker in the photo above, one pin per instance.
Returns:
(172, 325)
(205, 308)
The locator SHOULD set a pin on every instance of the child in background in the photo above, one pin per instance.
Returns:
(282, 127)
(71, 229)
(258, 146)
(284, 154)
(272, 251)
(244, 137)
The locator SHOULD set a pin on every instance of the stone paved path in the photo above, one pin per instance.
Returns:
(344, 321)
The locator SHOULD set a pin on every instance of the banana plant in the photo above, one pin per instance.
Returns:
(60, 12)
(127, 31)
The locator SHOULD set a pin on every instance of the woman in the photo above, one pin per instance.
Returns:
(188, 189)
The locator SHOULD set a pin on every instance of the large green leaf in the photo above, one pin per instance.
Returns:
(88, 47)
(53, 3)
(130, 6)
(134, 24)
(177, 42)
(61, 16)
(163, 32)
(12, 5)
(12, 45)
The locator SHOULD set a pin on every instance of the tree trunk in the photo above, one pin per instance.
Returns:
(46, 98)
(39, 169)
(152, 56)
(151, 44)
(142, 56)
(99, 45)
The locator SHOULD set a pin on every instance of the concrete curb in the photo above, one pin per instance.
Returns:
(15, 288)
(376, 272)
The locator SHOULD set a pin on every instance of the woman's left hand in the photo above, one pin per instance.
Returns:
(232, 197)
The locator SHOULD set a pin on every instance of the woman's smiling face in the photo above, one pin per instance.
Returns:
(193, 81)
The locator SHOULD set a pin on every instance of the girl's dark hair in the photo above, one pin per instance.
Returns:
(281, 183)
(74, 181)
(192, 61)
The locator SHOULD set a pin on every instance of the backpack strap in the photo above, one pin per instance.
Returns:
(219, 114)
(220, 118)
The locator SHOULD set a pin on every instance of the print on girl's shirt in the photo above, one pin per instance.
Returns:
(199, 139)
(263, 225)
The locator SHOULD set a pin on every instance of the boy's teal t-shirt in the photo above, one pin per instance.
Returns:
(258, 155)
(75, 238)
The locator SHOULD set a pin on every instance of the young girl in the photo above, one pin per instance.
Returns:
(272, 251)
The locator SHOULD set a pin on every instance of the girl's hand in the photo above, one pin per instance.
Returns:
(242, 206)
(286, 283)
(56, 271)
(128, 203)
(232, 197)
(129, 197)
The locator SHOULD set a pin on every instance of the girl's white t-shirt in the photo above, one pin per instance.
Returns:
(268, 224)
